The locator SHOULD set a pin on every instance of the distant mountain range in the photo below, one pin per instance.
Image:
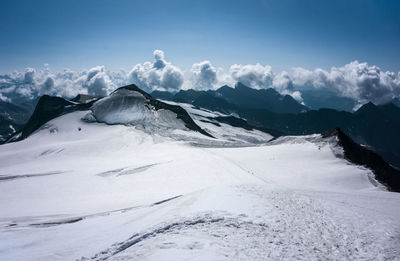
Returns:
(375, 126)
(229, 99)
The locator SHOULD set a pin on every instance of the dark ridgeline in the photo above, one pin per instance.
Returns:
(360, 155)
(230, 99)
(48, 108)
(377, 126)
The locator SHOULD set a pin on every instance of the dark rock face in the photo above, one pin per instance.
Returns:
(84, 98)
(360, 155)
(163, 95)
(187, 96)
(48, 108)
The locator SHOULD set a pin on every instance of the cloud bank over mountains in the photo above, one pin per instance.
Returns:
(358, 81)
(32, 83)
(355, 80)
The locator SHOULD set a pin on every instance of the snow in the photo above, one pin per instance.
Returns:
(131, 107)
(78, 190)
(226, 135)
(12, 128)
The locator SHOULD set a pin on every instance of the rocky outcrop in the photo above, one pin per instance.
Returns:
(357, 154)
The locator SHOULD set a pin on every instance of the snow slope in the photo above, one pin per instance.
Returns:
(89, 191)
(130, 107)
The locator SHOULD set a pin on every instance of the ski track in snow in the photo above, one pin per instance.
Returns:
(31, 175)
(48, 221)
(127, 170)
(291, 227)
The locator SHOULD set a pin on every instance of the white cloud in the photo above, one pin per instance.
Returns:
(157, 75)
(282, 81)
(47, 86)
(203, 76)
(98, 83)
(297, 96)
(29, 75)
(252, 75)
(159, 61)
(20, 86)
(355, 80)
(262, 77)
(358, 81)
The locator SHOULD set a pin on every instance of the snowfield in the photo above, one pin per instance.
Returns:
(76, 190)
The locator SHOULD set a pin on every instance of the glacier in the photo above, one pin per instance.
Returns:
(135, 183)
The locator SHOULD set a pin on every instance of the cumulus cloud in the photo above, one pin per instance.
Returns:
(203, 76)
(157, 75)
(159, 61)
(97, 82)
(355, 80)
(29, 76)
(252, 75)
(47, 86)
(358, 81)
(21, 86)
(283, 83)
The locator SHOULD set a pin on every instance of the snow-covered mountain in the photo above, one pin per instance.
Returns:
(129, 177)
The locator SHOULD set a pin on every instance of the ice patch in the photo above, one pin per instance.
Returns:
(132, 108)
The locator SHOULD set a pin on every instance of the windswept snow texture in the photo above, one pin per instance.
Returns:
(130, 107)
(225, 134)
(91, 191)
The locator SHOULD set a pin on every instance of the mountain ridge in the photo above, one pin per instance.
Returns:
(374, 125)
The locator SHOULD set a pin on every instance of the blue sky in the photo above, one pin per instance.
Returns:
(119, 34)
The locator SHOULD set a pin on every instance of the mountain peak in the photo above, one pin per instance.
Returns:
(84, 98)
(240, 85)
(224, 88)
(368, 107)
(48, 108)
(132, 87)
